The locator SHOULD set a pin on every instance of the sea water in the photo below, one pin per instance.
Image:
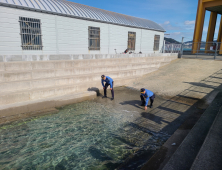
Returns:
(88, 135)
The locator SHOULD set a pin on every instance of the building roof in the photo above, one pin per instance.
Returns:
(72, 9)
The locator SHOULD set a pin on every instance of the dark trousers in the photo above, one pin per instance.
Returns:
(112, 91)
(151, 99)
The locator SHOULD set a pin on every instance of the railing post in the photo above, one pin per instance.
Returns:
(181, 47)
(171, 48)
(181, 50)
(164, 46)
(215, 54)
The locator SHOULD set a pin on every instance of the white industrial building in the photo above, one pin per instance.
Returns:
(51, 27)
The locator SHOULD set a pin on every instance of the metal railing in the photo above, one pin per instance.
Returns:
(202, 50)
(199, 50)
(172, 48)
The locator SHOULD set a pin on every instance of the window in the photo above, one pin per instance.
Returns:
(131, 40)
(30, 30)
(94, 38)
(156, 42)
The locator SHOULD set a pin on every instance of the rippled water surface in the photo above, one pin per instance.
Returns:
(87, 135)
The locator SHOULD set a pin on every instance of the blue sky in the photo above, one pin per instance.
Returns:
(177, 17)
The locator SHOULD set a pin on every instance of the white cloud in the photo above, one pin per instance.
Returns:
(189, 22)
(177, 33)
(167, 26)
(188, 36)
(205, 28)
(166, 22)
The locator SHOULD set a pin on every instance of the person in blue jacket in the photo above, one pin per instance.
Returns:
(109, 82)
(145, 96)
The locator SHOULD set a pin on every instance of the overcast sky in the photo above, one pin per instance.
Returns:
(177, 17)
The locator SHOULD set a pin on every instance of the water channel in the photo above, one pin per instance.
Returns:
(99, 134)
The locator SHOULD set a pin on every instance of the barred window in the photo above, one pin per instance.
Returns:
(30, 30)
(131, 40)
(156, 42)
(94, 38)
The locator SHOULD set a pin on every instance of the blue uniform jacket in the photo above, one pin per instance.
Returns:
(147, 95)
(108, 80)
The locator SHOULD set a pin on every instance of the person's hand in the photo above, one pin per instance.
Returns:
(111, 88)
(103, 87)
(145, 107)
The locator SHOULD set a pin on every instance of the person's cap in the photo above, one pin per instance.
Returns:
(142, 90)
(102, 76)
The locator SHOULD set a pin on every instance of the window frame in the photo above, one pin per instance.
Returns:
(31, 33)
(156, 46)
(131, 47)
(97, 45)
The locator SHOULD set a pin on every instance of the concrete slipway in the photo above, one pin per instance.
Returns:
(184, 89)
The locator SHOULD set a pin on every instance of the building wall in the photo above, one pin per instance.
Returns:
(64, 35)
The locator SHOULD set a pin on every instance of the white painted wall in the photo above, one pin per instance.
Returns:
(64, 35)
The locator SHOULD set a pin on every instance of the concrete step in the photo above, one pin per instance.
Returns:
(210, 154)
(70, 79)
(186, 153)
(39, 65)
(28, 94)
(12, 112)
(7, 76)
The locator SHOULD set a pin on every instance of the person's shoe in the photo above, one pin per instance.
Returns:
(142, 104)
(104, 97)
(112, 98)
(151, 106)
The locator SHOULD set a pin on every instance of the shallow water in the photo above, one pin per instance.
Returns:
(88, 135)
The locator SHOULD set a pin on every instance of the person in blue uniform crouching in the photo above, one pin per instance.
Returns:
(145, 96)
(109, 82)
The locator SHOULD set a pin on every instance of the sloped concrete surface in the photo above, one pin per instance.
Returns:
(190, 86)
(184, 156)
(210, 154)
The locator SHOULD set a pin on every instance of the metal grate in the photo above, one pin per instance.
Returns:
(94, 38)
(156, 43)
(30, 31)
(131, 40)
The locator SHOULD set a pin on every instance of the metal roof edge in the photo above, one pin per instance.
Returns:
(72, 16)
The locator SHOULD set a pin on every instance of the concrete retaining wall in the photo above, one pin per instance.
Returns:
(15, 58)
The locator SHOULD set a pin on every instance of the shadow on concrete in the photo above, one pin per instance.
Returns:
(169, 116)
(123, 140)
(96, 90)
(201, 84)
(216, 77)
(188, 97)
(141, 128)
(135, 103)
(153, 117)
